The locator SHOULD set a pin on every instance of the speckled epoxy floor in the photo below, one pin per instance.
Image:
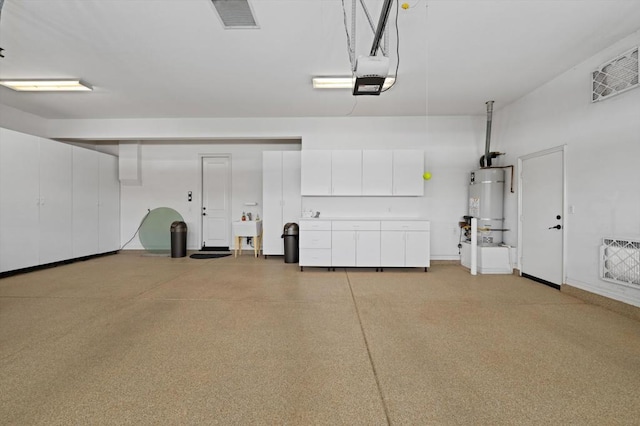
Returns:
(129, 339)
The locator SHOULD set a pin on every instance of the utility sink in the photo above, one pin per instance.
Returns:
(247, 228)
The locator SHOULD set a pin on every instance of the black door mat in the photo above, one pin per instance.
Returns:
(214, 248)
(208, 255)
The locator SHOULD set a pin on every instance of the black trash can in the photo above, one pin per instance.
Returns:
(290, 233)
(178, 239)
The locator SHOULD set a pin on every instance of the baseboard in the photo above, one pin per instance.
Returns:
(54, 264)
(616, 306)
(445, 262)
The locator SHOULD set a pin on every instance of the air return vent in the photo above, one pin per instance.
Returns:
(616, 76)
(235, 13)
(620, 261)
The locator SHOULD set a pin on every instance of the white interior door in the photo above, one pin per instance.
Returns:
(542, 217)
(216, 196)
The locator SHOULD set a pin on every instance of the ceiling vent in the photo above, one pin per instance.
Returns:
(235, 14)
(616, 76)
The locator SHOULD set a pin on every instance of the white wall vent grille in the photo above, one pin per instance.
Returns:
(620, 261)
(235, 13)
(616, 76)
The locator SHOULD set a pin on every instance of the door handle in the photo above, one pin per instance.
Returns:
(204, 214)
(555, 227)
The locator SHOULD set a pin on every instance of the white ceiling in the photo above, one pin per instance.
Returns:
(172, 58)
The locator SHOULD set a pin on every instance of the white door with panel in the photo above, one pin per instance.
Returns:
(542, 216)
(56, 202)
(316, 172)
(19, 200)
(281, 200)
(216, 196)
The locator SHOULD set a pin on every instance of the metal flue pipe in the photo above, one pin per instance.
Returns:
(487, 146)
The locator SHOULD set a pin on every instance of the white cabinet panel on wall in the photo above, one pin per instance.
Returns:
(316, 172)
(86, 187)
(55, 222)
(281, 200)
(109, 205)
(408, 167)
(377, 172)
(19, 200)
(346, 172)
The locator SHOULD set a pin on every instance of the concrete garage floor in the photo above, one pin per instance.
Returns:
(129, 339)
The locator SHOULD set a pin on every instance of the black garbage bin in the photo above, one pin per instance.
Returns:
(290, 233)
(178, 239)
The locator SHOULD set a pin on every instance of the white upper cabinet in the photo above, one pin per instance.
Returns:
(408, 167)
(362, 173)
(346, 172)
(377, 172)
(316, 172)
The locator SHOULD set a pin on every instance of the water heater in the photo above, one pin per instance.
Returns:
(486, 201)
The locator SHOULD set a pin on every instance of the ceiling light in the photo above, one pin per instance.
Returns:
(344, 82)
(46, 85)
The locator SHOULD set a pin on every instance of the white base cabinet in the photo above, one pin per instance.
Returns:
(315, 243)
(57, 202)
(365, 243)
(405, 243)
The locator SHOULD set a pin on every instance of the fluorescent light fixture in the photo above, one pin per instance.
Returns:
(344, 82)
(46, 85)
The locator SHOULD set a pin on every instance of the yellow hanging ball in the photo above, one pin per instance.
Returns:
(405, 6)
(426, 175)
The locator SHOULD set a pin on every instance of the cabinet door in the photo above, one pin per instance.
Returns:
(55, 223)
(272, 243)
(377, 172)
(292, 201)
(408, 167)
(316, 172)
(346, 172)
(417, 249)
(86, 187)
(19, 200)
(368, 248)
(109, 205)
(392, 247)
(343, 248)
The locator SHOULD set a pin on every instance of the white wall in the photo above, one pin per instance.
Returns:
(170, 169)
(452, 147)
(20, 121)
(603, 163)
